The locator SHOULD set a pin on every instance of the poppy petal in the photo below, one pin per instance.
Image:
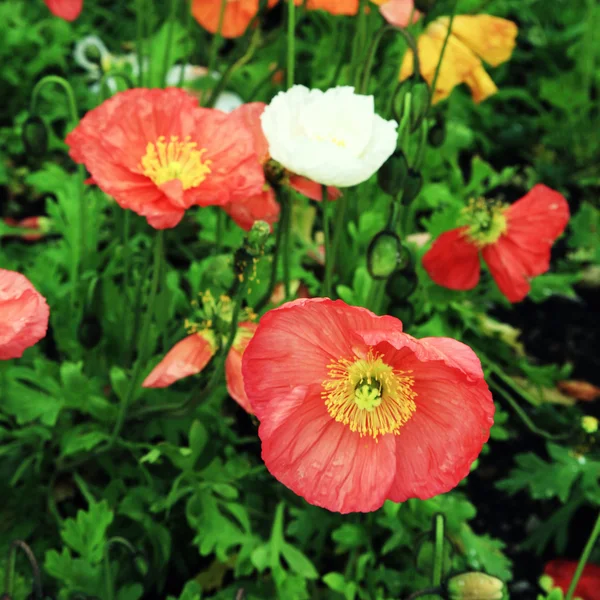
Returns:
(233, 365)
(452, 261)
(187, 357)
(68, 10)
(312, 189)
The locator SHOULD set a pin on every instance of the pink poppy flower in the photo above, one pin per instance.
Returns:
(158, 153)
(193, 353)
(24, 315)
(514, 241)
(65, 9)
(353, 411)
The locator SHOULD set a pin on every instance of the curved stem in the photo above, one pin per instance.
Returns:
(143, 345)
(286, 204)
(66, 87)
(329, 258)
(439, 65)
(11, 564)
(291, 40)
(585, 555)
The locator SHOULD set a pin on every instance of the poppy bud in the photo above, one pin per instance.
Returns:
(475, 586)
(35, 136)
(412, 186)
(392, 174)
(401, 285)
(90, 332)
(424, 5)
(437, 134)
(382, 254)
(419, 105)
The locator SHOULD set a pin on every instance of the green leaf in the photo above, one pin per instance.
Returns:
(75, 441)
(298, 562)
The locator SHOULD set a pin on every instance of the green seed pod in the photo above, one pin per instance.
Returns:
(392, 174)
(437, 134)
(475, 586)
(419, 105)
(35, 136)
(412, 186)
(424, 5)
(382, 255)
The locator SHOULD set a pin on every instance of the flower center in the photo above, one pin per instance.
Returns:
(331, 139)
(368, 395)
(165, 161)
(485, 220)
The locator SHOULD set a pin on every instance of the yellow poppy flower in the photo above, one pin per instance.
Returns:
(473, 38)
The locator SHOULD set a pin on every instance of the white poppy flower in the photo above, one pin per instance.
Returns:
(333, 137)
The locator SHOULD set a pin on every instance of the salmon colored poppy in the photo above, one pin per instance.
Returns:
(514, 241)
(264, 206)
(157, 153)
(353, 411)
(473, 38)
(24, 315)
(68, 10)
(238, 15)
(335, 7)
(193, 353)
(398, 12)
(561, 572)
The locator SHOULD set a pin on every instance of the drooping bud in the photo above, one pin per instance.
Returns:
(437, 134)
(382, 254)
(412, 186)
(401, 285)
(475, 586)
(35, 136)
(425, 5)
(392, 174)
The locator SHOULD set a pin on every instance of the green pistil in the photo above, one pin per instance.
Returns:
(367, 394)
(485, 220)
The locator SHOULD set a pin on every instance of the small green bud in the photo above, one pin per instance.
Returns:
(401, 285)
(35, 136)
(412, 186)
(437, 134)
(392, 174)
(424, 5)
(382, 255)
(419, 105)
(475, 586)
(589, 424)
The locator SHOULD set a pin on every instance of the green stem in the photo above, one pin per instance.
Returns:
(139, 19)
(329, 258)
(170, 32)
(291, 40)
(109, 587)
(438, 557)
(217, 38)
(143, 345)
(585, 555)
(10, 569)
(439, 65)
(188, 27)
(126, 268)
(339, 226)
(219, 231)
(359, 43)
(286, 205)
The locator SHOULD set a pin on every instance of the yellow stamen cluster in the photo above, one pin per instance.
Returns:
(165, 161)
(368, 395)
(486, 221)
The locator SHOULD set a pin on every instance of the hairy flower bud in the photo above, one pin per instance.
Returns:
(392, 175)
(383, 254)
(475, 586)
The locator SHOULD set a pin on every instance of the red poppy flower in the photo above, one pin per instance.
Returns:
(562, 571)
(157, 153)
(193, 353)
(24, 315)
(263, 206)
(238, 15)
(65, 9)
(353, 411)
(514, 241)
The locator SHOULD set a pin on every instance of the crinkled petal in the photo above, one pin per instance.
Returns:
(262, 207)
(187, 357)
(452, 261)
(335, 7)
(238, 15)
(323, 461)
(24, 315)
(398, 12)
